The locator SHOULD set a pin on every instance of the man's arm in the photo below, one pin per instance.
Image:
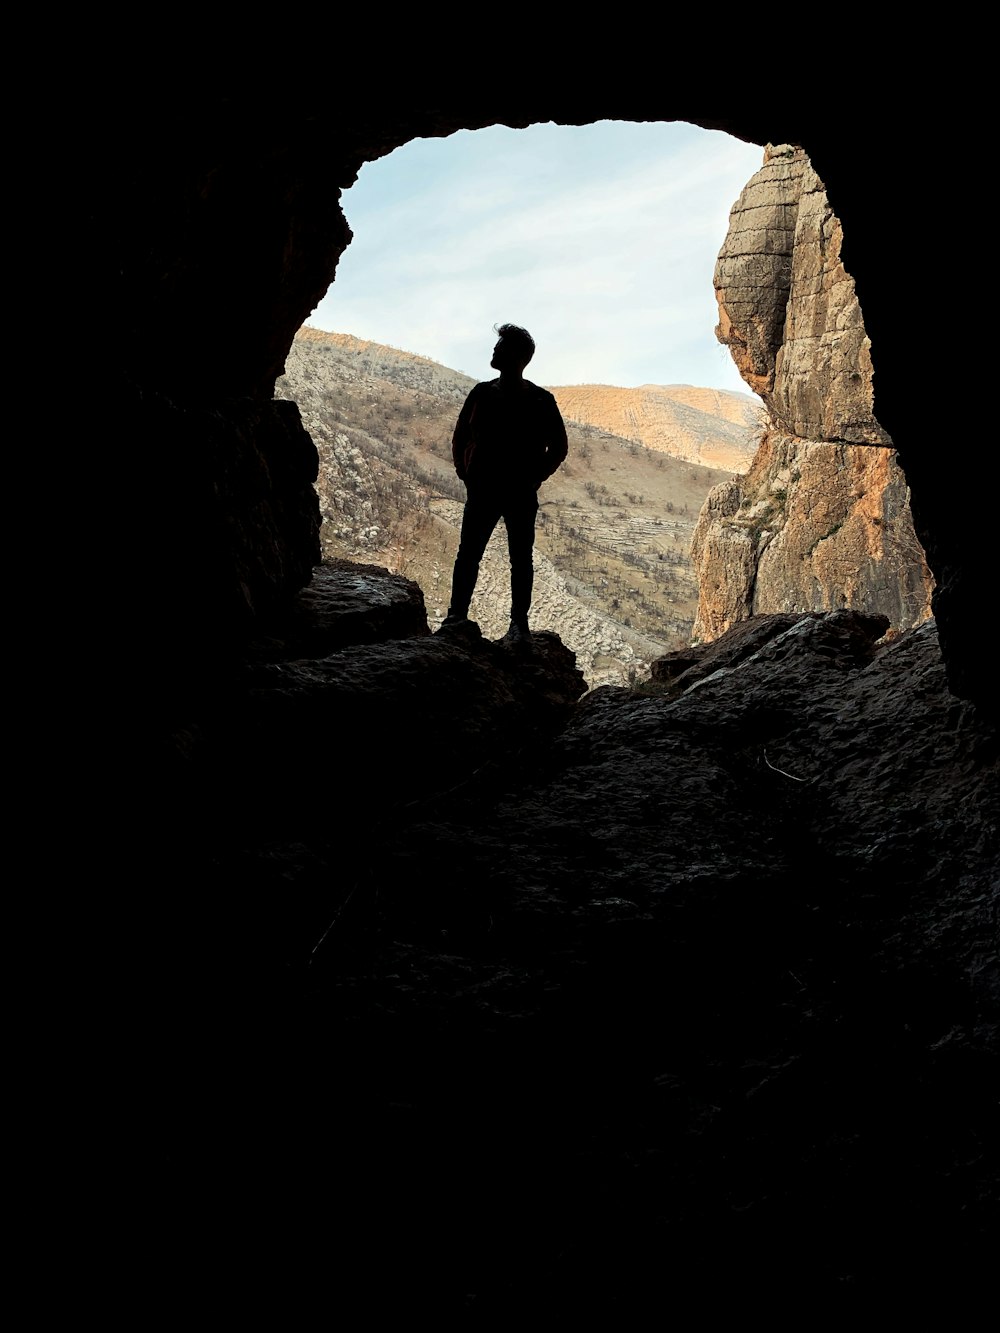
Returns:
(556, 443)
(462, 435)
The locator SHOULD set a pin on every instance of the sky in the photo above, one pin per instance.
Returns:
(600, 239)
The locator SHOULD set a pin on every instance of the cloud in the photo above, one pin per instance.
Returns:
(601, 239)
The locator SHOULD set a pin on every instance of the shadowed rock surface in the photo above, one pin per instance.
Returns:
(604, 993)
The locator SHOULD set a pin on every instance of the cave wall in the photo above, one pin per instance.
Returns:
(204, 211)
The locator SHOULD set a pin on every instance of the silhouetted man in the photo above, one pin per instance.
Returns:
(509, 438)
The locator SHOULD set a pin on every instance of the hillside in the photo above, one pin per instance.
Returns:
(614, 576)
(707, 426)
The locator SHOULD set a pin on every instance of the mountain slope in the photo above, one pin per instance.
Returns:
(708, 426)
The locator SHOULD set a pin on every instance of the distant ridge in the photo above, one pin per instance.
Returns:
(713, 427)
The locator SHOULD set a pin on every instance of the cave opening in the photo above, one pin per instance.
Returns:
(603, 238)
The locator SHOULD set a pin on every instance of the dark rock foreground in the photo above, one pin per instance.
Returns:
(473, 994)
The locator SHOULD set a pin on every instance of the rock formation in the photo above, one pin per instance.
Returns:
(685, 976)
(822, 519)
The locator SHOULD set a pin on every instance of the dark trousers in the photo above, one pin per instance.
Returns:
(484, 509)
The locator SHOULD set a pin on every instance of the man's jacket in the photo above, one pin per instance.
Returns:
(508, 435)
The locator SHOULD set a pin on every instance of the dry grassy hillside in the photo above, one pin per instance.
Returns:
(707, 426)
(613, 571)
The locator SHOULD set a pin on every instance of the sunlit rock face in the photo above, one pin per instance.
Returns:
(822, 519)
(810, 527)
(788, 312)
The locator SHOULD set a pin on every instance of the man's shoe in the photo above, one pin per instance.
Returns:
(518, 632)
(458, 623)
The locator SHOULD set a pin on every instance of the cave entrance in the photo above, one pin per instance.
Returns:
(602, 239)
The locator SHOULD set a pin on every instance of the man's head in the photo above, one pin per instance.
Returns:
(515, 347)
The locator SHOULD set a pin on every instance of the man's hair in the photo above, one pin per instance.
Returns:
(519, 338)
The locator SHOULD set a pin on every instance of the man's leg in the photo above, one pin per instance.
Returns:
(479, 518)
(519, 517)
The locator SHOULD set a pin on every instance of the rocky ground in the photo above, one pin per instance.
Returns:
(511, 1000)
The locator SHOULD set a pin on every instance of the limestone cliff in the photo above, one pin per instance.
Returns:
(821, 520)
